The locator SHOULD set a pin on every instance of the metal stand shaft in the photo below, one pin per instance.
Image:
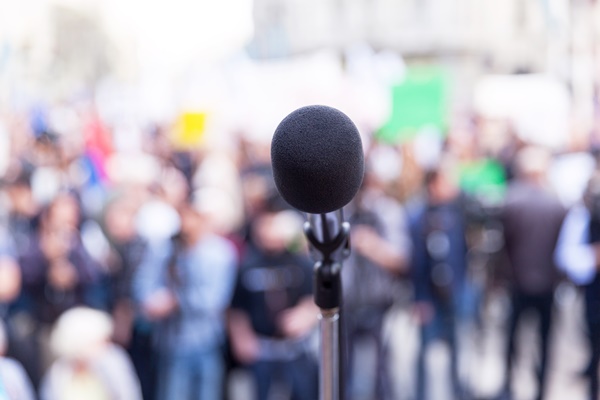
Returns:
(328, 293)
(329, 374)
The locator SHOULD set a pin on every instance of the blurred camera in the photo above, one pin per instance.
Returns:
(593, 204)
(592, 196)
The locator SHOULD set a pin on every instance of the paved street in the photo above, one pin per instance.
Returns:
(482, 358)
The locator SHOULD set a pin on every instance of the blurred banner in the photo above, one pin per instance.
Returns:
(537, 106)
(420, 101)
(484, 178)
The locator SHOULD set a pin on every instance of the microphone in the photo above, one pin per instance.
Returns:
(317, 159)
(318, 166)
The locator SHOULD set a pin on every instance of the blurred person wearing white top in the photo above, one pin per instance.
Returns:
(89, 366)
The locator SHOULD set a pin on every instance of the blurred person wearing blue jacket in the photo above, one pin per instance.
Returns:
(578, 255)
(439, 269)
(184, 285)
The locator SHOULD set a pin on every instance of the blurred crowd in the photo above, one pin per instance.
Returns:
(135, 269)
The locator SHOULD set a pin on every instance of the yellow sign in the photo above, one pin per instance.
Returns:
(189, 130)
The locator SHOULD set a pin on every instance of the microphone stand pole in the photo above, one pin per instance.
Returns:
(328, 294)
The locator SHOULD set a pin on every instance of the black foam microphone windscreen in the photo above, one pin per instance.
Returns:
(317, 158)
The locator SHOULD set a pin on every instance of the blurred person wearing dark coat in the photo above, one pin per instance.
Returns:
(13, 344)
(57, 271)
(439, 270)
(131, 330)
(273, 312)
(14, 382)
(15, 239)
(531, 219)
(371, 278)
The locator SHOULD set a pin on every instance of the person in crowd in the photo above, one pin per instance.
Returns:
(531, 220)
(131, 330)
(58, 272)
(184, 286)
(256, 184)
(16, 313)
(14, 382)
(439, 270)
(371, 276)
(273, 310)
(578, 255)
(15, 339)
(89, 365)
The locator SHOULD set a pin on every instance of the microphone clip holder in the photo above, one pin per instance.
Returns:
(328, 288)
(328, 295)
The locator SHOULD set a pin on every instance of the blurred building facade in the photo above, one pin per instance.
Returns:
(63, 48)
(508, 35)
(559, 37)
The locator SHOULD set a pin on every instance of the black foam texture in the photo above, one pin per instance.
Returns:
(317, 158)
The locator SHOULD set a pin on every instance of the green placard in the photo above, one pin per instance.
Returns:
(419, 101)
(483, 178)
